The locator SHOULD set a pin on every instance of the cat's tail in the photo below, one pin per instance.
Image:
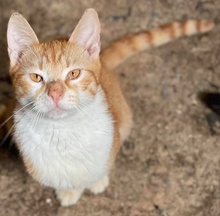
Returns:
(127, 46)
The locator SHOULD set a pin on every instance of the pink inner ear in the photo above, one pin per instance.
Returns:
(15, 47)
(20, 36)
(94, 49)
(87, 33)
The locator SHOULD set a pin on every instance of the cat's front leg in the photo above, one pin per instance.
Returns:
(68, 197)
(100, 185)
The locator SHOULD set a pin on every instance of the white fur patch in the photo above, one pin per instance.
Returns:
(71, 152)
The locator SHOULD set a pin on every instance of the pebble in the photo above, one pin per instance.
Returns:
(48, 201)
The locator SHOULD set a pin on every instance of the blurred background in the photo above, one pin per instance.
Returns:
(170, 165)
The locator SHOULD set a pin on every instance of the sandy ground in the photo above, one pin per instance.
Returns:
(170, 166)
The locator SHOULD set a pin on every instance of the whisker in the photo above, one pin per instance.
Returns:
(31, 102)
(10, 117)
(6, 136)
(10, 144)
(37, 119)
(27, 112)
(4, 122)
(33, 114)
(85, 97)
(81, 109)
(10, 130)
(85, 112)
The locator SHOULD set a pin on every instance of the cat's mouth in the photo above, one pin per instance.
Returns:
(57, 110)
(56, 113)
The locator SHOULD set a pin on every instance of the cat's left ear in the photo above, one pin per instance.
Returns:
(87, 33)
(20, 37)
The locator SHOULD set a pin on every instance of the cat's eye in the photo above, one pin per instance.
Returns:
(73, 74)
(36, 77)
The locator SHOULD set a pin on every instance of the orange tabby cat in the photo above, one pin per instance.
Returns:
(71, 116)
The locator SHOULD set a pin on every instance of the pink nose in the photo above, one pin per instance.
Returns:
(56, 92)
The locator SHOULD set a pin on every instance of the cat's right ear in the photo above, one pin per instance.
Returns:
(20, 36)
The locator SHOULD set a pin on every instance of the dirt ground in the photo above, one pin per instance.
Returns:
(170, 166)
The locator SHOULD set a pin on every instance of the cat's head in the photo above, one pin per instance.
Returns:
(56, 77)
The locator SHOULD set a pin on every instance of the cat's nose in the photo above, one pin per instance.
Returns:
(56, 92)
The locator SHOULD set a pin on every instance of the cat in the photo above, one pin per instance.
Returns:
(71, 116)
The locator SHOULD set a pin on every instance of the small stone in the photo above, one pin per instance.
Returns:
(48, 201)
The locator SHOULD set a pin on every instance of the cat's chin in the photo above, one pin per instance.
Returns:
(57, 113)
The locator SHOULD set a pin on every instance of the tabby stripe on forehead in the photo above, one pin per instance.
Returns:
(40, 65)
(61, 53)
(53, 53)
(45, 55)
(53, 56)
(63, 48)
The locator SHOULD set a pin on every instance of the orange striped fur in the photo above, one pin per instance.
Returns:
(127, 46)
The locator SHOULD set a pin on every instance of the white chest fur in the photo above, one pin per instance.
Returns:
(71, 152)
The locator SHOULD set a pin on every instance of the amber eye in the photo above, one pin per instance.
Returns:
(36, 77)
(73, 74)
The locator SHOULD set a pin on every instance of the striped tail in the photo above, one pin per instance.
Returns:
(127, 46)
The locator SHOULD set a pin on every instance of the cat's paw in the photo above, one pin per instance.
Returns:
(68, 197)
(100, 185)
